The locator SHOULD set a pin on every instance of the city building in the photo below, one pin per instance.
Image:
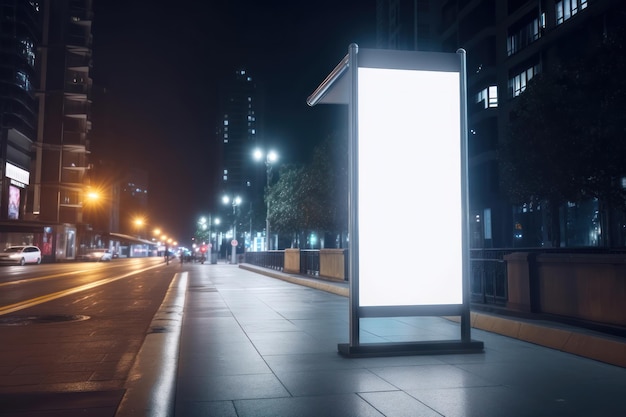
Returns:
(19, 37)
(507, 44)
(62, 146)
(239, 133)
(45, 118)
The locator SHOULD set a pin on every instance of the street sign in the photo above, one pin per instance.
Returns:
(234, 242)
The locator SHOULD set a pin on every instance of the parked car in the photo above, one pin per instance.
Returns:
(97, 255)
(21, 255)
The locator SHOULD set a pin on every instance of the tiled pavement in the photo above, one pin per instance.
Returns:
(253, 345)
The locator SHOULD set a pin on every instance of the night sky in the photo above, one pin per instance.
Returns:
(159, 64)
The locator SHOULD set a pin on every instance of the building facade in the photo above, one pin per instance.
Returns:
(20, 31)
(46, 120)
(238, 131)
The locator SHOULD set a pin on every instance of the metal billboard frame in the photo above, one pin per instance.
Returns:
(341, 86)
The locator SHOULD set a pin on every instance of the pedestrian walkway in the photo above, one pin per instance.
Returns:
(253, 345)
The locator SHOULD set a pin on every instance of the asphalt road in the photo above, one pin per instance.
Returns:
(74, 329)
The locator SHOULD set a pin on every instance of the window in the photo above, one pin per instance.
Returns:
(517, 83)
(28, 51)
(565, 9)
(22, 80)
(527, 34)
(489, 97)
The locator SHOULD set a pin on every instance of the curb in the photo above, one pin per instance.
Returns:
(151, 383)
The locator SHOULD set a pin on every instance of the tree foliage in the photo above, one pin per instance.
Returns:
(312, 197)
(567, 135)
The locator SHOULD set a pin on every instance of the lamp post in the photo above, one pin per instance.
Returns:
(235, 201)
(270, 158)
(206, 225)
(213, 248)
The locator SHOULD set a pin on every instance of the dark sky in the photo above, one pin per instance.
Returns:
(160, 63)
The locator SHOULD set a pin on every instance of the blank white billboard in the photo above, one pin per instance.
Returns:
(410, 203)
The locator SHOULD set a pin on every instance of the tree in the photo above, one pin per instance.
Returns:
(329, 172)
(567, 136)
(312, 197)
(285, 199)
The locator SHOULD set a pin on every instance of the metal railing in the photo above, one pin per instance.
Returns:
(310, 262)
(488, 277)
(274, 259)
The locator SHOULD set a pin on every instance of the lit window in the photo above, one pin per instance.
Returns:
(517, 83)
(225, 122)
(28, 51)
(565, 9)
(526, 35)
(488, 96)
(22, 80)
(493, 96)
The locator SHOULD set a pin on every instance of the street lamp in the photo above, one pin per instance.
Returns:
(235, 201)
(270, 158)
(206, 226)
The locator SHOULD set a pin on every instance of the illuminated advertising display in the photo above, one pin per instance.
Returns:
(408, 205)
(409, 187)
(14, 202)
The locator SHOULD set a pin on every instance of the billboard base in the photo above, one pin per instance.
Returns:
(411, 348)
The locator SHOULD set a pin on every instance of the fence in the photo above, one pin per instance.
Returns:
(488, 278)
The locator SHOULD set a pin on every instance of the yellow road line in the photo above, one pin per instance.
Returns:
(11, 308)
(28, 280)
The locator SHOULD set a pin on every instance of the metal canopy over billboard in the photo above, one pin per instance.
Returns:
(407, 147)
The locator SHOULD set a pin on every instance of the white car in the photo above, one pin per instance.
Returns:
(21, 255)
(97, 255)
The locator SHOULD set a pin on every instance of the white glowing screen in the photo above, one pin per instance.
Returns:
(409, 194)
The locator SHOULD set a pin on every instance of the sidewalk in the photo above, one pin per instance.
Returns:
(253, 345)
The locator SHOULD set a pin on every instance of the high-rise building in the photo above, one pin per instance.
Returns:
(238, 131)
(45, 120)
(64, 111)
(62, 145)
(19, 36)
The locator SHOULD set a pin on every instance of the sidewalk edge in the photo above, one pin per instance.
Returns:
(151, 383)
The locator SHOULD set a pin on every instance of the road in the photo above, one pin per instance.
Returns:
(75, 328)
